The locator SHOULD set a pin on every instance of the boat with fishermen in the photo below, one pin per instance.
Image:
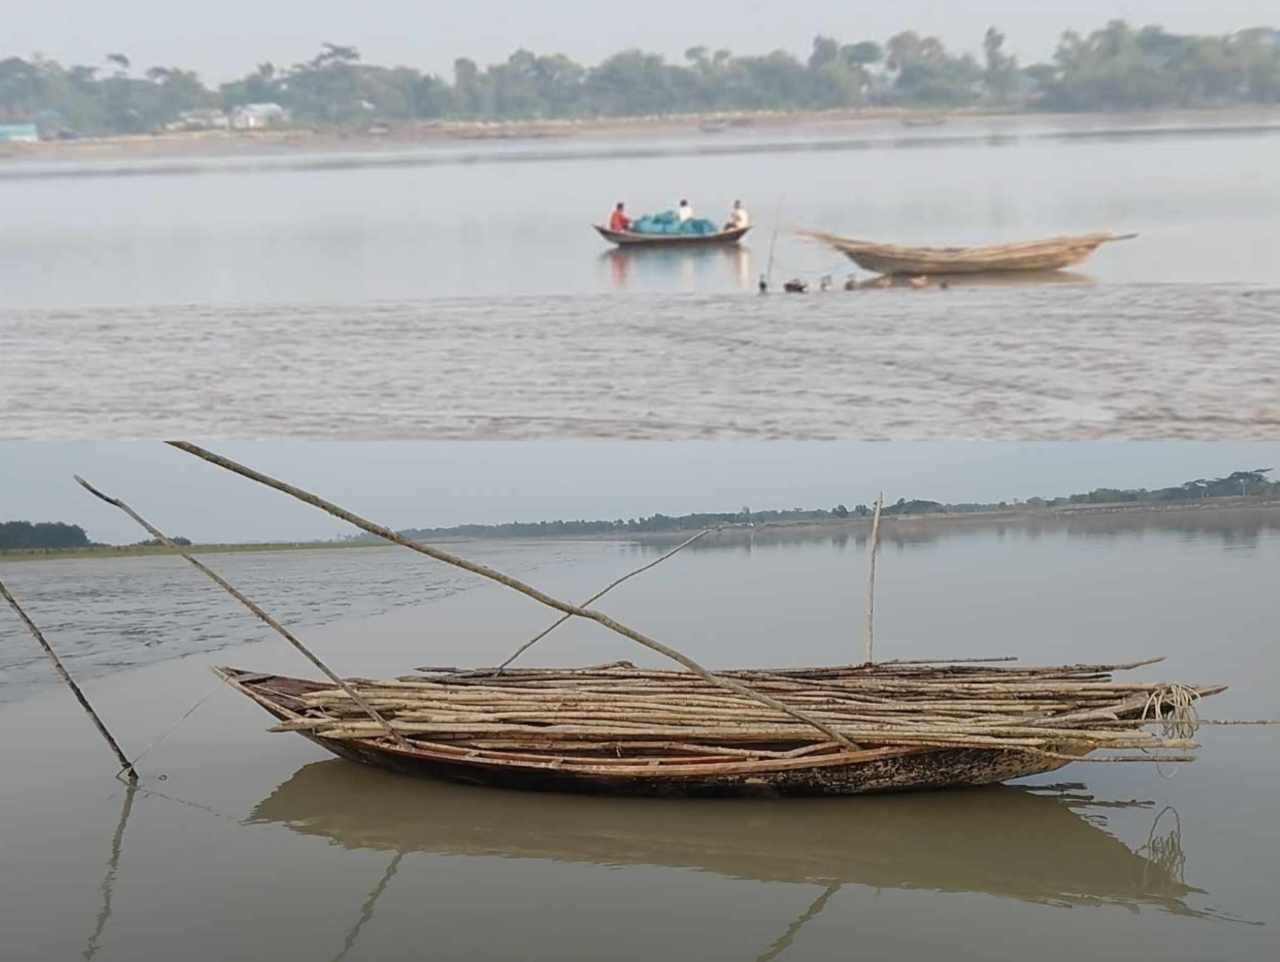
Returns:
(673, 228)
(636, 239)
(1050, 254)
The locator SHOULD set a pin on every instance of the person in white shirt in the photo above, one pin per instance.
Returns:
(737, 217)
(685, 212)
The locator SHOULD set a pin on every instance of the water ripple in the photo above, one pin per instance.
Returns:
(1117, 361)
(103, 615)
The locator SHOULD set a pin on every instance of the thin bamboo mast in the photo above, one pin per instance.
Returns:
(874, 550)
(126, 765)
(492, 574)
(226, 586)
(600, 594)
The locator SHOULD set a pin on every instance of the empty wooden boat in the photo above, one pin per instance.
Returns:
(1051, 254)
(619, 729)
(632, 239)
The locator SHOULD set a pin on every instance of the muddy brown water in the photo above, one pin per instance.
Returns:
(241, 844)
(462, 293)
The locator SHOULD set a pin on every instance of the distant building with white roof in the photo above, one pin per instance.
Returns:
(205, 119)
(24, 133)
(258, 116)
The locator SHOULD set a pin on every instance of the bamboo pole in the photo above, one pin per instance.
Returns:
(515, 584)
(599, 594)
(126, 766)
(874, 550)
(288, 636)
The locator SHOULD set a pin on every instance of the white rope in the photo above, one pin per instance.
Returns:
(185, 715)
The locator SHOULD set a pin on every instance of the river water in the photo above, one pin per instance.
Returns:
(459, 292)
(242, 844)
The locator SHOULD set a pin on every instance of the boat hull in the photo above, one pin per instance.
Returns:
(628, 239)
(898, 772)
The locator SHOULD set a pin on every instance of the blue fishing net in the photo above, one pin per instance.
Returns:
(668, 222)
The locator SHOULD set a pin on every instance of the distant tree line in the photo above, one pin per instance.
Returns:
(56, 534)
(41, 534)
(1236, 484)
(1118, 67)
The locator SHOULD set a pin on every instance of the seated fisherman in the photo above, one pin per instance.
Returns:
(737, 217)
(618, 220)
(685, 212)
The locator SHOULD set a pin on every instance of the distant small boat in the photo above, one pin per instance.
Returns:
(714, 126)
(1043, 255)
(926, 120)
(629, 239)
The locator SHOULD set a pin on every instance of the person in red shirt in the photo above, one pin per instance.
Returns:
(618, 220)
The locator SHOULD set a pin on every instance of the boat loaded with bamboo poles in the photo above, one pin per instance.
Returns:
(619, 728)
(1050, 254)
(627, 730)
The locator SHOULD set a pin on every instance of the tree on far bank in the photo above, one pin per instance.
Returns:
(1116, 67)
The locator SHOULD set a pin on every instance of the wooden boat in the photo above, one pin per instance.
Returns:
(619, 729)
(629, 239)
(1043, 255)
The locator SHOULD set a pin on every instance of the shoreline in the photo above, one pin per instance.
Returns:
(725, 127)
(143, 551)
(1018, 514)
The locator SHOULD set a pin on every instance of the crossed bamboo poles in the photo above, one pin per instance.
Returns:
(568, 610)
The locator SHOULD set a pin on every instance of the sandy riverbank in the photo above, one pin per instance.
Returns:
(142, 551)
(711, 128)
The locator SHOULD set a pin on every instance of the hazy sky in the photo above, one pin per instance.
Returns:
(407, 484)
(228, 37)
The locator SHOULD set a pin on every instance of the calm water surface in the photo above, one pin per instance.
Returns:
(241, 843)
(460, 292)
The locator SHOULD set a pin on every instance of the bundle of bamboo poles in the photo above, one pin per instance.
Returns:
(619, 710)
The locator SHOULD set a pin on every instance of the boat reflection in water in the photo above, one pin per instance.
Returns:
(713, 268)
(989, 279)
(1040, 845)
